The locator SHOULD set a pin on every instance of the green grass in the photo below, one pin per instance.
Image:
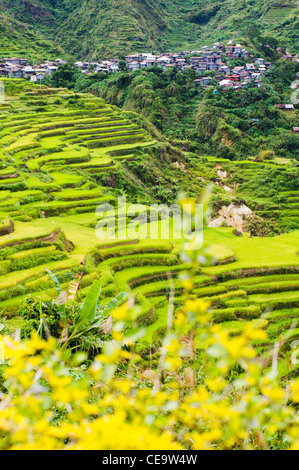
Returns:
(64, 179)
(254, 253)
(14, 278)
(268, 298)
(77, 194)
(145, 274)
(24, 232)
(36, 252)
(252, 281)
(277, 14)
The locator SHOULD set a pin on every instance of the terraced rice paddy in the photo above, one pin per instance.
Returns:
(53, 144)
(51, 151)
(275, 15)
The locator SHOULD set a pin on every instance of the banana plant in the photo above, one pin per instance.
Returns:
(92, 315)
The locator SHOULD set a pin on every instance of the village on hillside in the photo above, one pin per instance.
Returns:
(209, 60)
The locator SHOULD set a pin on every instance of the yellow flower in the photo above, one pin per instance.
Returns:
(117, 335)
(217, 384)
(274, 393)
(205, 440)
(187, 284)
(121, 313)
(188, 205)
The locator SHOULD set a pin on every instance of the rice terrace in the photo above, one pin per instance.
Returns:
(123, 324)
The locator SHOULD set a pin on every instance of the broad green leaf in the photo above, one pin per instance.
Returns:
(89, 309)
(55, 280)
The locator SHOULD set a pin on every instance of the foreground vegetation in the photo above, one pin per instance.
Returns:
(207, 390)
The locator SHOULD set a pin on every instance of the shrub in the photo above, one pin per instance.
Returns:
(32, 261)
(40, 316)
(5, 267)
(110, 291)
(204, 407)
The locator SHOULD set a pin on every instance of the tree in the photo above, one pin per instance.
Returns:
(269, 41)
(65, 76)
(122, 65)
(207, 120)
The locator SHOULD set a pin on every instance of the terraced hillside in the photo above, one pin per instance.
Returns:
(55, 147)
(99, 29)
(51, 154)
(254, 280)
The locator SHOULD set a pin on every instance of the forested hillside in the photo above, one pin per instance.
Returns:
(93, 28)
(19, 39)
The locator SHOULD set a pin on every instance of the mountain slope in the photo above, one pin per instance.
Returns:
(17, 39)
(104, 27)
(199, 22)
(96, 29)
(91, 28)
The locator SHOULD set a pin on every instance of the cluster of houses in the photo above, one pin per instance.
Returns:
(209, 60)
(15, 67)
(239, 76)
